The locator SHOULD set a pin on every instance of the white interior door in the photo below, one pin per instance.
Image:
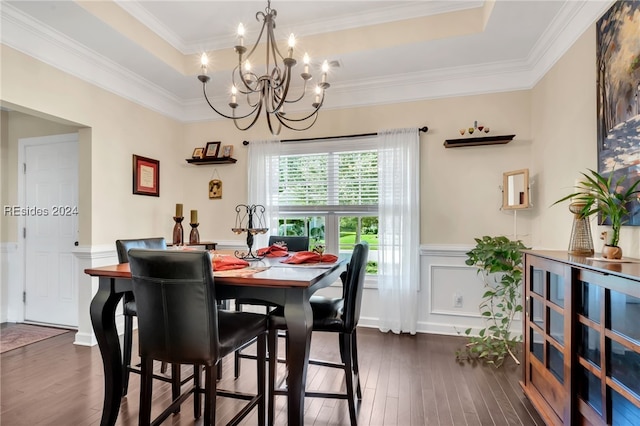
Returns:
(50, 231)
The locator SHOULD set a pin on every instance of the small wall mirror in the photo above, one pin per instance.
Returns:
(515, 190)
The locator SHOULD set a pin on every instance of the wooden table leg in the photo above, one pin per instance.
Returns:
(299, 317)
(102, 310)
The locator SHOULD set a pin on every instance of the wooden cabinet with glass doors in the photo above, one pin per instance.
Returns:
(582, 339)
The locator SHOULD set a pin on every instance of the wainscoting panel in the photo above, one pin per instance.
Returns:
(12, 309)
(446, 276)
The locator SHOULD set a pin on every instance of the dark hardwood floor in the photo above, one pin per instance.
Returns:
(406, 380)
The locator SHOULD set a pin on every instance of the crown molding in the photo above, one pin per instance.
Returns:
(368, 17)
(27, 35)
(565, 29)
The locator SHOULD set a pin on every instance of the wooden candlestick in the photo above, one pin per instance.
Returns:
(178, 232)
(194, 235)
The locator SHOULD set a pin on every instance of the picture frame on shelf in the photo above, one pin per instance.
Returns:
(198, 153)
(212, 149)
(146, 176)
(227, 151)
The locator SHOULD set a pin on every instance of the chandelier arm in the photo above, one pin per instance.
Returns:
(244, 80)
(257, 111)
(255, 45)
(204, 91)
(277, 132)
(285, 91)
(302, 95)
(312, 113)
(284, 123)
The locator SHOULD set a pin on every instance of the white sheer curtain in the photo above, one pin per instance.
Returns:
(399, 229)
(263, 165)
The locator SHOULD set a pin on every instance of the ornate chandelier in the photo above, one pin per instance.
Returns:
(270, 91)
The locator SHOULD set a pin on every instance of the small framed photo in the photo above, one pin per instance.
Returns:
(227, 150)
(197, 153)
(212, 149)
(146, 176)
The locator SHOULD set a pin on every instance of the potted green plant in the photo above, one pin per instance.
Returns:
(599, 194)
(499, 261)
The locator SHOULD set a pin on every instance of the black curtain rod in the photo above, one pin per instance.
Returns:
(361, 135)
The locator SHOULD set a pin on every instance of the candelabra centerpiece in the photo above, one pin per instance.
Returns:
(249, 219)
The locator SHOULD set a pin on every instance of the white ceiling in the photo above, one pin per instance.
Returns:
(388, 51)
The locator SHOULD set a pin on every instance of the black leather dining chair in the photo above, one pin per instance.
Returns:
(179, 322)
(293, 243)
(129, 309)
(332, 315)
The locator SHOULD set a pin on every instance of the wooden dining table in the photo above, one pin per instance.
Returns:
(267, 280)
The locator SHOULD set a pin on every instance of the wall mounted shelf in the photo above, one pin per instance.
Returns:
(201, 161)
(485, 140)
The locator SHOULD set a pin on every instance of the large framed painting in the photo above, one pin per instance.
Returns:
(618, 92)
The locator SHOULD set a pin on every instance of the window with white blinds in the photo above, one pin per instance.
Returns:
(328, 191)
(330, 176)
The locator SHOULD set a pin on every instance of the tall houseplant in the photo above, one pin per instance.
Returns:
(499, 261)
(599, 194)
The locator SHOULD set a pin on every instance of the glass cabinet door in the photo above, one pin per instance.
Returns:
(546, 298)
(608, 352)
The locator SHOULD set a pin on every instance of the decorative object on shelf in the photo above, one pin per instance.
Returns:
(270, 91)
(249, 219)
(581, 241)
(227, 150)
(596, 193)
(194, 235)
(178, 232)
(204, 161)
(499, 261)
(198, 153)
(146, 176)
(477, 141)
(212, 149)
(476, 126)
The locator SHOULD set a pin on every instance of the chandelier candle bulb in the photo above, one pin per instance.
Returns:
(240, 34)
(306, 60)
(325, 70)
(233, 96)
(292, 43)
(204, 60)
(178, 210)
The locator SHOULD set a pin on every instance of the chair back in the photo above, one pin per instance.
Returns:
(354, 285)
(123, 246)
(293, 243)
(177, 312)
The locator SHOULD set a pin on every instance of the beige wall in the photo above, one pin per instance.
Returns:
(112, 130)
(564, 129)
(461, 197)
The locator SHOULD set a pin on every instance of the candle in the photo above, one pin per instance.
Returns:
(178, 210)
(292, 43)
(325, 69)
(306, 61)
(241, 35)
(204, 60)
(194, 216)
(233, 94)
